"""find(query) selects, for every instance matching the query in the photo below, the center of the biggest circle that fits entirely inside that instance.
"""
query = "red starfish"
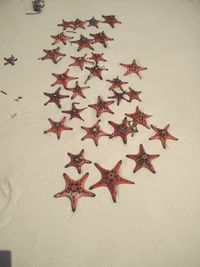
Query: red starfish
(57, 127)
(55, 97)
(94, 133)
(53, 54)
(79, 61)
(78, 24)
(74, 189)
(121, 130)
(97, 57)
(118, 96)
(100, 38)
(95, 71)
(133, 95)
(77, 160)
(111, 20)
(61, 37)
(143, 159)
(74, 112)
(93, 22)
(139, 117)
(65, 25)
(102, 106)
(116, 83)
(83, 42)
(77, 90)
(63, 78)
(162, 134)
(11, 60)
(133, 68)
(111, 179)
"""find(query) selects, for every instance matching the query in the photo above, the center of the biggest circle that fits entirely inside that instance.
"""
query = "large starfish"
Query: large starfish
(57, 127)
(133, 95)
(143, 159)
(65, 24)
(102, 106)
(10, 60)
(63, 78)
(83, 42)
(93, 22)
(133, 68)
(162, 134)
(111, 179)
(122, 130)
(111, 20)
(79, 61)
(139, 117)
(61, 37)
(95, 71)
(75, 112)
(101, 38)
(74, 189)
(77, 90)
(97, 57)
(78, 24)
(118, 96)
(116, 83)
(53, 54)
(55, 97)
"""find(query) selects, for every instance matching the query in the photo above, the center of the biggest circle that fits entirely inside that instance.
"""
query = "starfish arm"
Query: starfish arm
(99, 168)
(137, 167)
(84, 178)
(117, 166)
(74, 202)
(154, 137)
(172, 137)
(61, 194)
(155, 128)
(154, 156)
(132, 156)
(125, 181)
(113, 192)
(149, 166)
(87, 193)
(100, 183)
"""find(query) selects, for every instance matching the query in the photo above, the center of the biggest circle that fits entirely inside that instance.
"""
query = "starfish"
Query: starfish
(143, 159)
(97, 57)
(11, 60)
(63, 78)
(74, 112)
(162, 134)
(118, 96)
(77, 90)
(74, 189)
(133, 95)
(139, 117)
(93, 22)
(77, 160)
(111, 179)
(102, 106)
(122, 130)
(55, 97)
(83, 42)
(94, 133)
(58, 127)
(78, 24)
(111, 20)
(133, 68)
(53, 54)
(100, 38)
(95, 71)
(116, 83)
(65, 24)
(61, 37)
(79, 61)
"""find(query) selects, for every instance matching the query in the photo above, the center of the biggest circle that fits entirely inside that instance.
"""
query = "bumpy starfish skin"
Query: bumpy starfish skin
(94, 133)
(78, 24)
(111, 20)
(116, 83)
(143, 159)
(83, 42)
(61, 37)
(162, 134)
(100, 38)
(10, 60)
(139, 117)
(97, 57)
(133, 68)
(111, 179)
(53, 54)
(93, 22)
(102, 106)
(57, 127)
(77, 160)
(118, 96)
(55, 97)
(63, 78)
(133, 95)
(95, 71)
(79, 61)
(121, 130)
(74, 190)
(77, 90)
(65, 25)
(74, 112)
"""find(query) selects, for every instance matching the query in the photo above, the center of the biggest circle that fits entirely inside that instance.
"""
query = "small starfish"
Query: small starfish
(143, 159)
(162, 134)
(93, 22)
(58, 127)
(77, 90)
(102, 106)
(97, 57)
(116, 83)
(65, 25)
(79, 61)
(10, 60)
(139, 117)
(100, 38)
(122, 130)
(63, 78)
(74, 189)
(111, 179)
(133, 68)
(111, 20)
(53, 54)
(83, 42)
(55, 97)
(118, 96)
(95, 71)
(75, 112)
(61, 37)
(78, 24)
(77, 160)
(94, 132)
(133, 95)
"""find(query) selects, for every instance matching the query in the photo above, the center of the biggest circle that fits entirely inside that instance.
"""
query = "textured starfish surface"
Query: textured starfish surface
(65, 24)
(78, 24)
(79, 61)
(97, 57)
(118, 96)
(101, 38)
(111, 20)
(162, 134)
(93, 22)
(139, 117)
(83, 42)
(61, 38)
(55, 97)
(122, 130)
(63, 78)
(95, 71)
(53, 54)
(58, 127)
(94, 133)
(77, 90)
(133, 68)
(77, 160)
(116, 83)
(143, 159)
(133, 95)
(111, 179)
(10, 60)
(74, 112)
(102, 106)
(74, 189)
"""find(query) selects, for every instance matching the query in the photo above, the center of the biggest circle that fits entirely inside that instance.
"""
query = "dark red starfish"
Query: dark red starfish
(10, 60)
(95, 71)
(111, 20)
(61, 37)
(116, 83)
(122, 130)
(133, 68)
(83, 42)
(97, 57)
(74, 189)
(78, 24)
(133, 95)
(139, 117)
(77, 160)
(63, 78)
(118, 96)
(93, 22)
(55, 97)
(102, 106)
(58, 127)
(111, 179)
(101, 38)
(94, 133)
(162, 134)
(79, 61)
(65, 24)
(77, 90)
(53, 54)
(143, 159)
(74, 112)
